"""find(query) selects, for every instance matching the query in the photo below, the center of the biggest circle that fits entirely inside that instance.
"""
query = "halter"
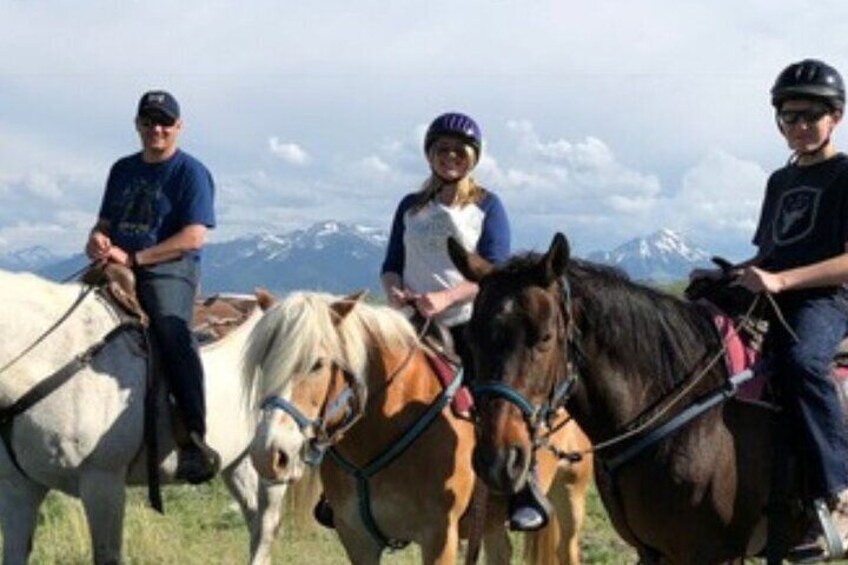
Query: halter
(351, 400)
(536, 417)
(320, 441)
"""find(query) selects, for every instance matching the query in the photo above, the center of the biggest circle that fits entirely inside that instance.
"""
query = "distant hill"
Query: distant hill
(27, 259)
(662, 257)
(328, 256)
(341, 258)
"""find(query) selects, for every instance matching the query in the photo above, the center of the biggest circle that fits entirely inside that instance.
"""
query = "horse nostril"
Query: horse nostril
(281, 461)
(517, 464)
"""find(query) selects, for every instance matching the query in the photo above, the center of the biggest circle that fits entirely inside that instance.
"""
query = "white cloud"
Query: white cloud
(619, 121)
(373, 166)
(290, 153)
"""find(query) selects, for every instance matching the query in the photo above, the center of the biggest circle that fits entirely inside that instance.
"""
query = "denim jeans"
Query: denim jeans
(820, 321)
(167, 292)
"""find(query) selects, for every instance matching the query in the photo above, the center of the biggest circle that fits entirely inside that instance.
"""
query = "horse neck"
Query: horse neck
(621, 379)
(37, 341)
(401, 384)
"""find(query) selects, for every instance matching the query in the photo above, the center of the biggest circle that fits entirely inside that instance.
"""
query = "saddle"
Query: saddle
(213, 319)
(444, 361)
(743, 331)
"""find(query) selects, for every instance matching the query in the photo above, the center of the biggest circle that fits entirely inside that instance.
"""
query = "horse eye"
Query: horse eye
(546, 337)
(317, 366)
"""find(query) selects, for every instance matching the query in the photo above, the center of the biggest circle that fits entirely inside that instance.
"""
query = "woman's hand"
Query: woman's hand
(400, 297)
(430, 304)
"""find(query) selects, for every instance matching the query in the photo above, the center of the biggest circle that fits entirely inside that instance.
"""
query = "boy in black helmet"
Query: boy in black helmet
(802, 260)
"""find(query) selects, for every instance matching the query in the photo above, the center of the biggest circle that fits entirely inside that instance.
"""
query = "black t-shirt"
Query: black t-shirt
(804, 218)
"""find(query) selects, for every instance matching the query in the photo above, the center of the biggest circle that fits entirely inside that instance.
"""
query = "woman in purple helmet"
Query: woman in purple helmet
(417, 270)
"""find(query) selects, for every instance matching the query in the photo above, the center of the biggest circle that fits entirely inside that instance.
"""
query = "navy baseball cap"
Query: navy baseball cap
(159, 102)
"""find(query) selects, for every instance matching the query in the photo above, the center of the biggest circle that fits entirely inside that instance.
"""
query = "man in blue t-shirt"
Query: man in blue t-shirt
(155, 213)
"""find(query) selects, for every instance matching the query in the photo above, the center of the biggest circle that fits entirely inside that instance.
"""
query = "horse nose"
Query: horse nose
(281, 462)
(504, 470)
(517, 464)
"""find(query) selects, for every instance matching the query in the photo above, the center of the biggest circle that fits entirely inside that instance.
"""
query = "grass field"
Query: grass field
(203, 526)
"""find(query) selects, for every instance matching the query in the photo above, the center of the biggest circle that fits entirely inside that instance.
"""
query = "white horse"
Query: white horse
(86, 437)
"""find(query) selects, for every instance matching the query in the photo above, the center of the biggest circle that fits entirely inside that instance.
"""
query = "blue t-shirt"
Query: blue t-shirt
(146, 203)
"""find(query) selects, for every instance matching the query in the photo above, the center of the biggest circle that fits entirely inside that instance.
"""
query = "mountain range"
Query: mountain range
(662, 257)
(341, 258)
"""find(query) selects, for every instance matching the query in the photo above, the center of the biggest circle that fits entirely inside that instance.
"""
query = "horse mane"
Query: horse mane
(654, 332)
(294, 333)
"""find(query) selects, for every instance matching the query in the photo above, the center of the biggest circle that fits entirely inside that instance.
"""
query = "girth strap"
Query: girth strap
(60, 377)
(49, 385)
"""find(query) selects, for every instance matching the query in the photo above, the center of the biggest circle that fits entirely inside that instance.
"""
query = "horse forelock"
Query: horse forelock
(294, 333)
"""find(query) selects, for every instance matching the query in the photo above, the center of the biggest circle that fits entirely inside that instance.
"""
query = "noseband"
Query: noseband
(350, 402)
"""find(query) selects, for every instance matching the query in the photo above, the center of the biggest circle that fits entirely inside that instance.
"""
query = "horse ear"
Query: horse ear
(556, 259)
(264, 298)
(341, 308)
(472, 266)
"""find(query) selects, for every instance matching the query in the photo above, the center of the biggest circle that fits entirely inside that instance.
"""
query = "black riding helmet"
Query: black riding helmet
(809, 78)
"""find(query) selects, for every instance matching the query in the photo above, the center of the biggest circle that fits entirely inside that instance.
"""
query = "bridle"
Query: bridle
(540, 419)
(346, 409)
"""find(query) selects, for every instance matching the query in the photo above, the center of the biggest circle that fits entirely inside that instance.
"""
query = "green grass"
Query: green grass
(203, 526)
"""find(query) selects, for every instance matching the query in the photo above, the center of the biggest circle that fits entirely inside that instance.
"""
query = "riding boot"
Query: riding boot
(323, 513)
(197, 462)
(529, 509)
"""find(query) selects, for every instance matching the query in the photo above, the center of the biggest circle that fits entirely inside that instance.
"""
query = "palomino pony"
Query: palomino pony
(351, 379)
(85, 437)
(684, 472)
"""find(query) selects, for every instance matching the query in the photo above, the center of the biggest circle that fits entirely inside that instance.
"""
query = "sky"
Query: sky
(604, 120)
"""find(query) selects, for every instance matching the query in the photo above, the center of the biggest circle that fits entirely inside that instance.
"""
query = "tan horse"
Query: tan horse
(350, 379)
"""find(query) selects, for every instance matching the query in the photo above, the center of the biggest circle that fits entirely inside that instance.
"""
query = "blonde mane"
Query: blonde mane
(294, 333)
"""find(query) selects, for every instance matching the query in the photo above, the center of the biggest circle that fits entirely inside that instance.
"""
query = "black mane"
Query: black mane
(642, 330)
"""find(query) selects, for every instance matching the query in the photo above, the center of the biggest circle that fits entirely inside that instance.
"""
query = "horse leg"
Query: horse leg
(569, 499)
(358, 544)
(497, 547)
(103, 496)
(261, 506)
(20, 500)
(441, 548)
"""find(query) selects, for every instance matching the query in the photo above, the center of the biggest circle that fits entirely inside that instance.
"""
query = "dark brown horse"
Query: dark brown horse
(628, 362)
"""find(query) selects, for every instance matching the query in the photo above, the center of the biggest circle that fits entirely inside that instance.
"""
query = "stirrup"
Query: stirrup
(833, 548)
(524, 504)
(323, 513)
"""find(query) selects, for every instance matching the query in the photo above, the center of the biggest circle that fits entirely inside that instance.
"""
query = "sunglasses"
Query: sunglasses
(444, 148)
(149, 122)
(810, 116)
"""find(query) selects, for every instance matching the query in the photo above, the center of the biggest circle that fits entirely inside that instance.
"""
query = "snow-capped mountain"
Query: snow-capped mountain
(329, 256)
(28, 259)
(663, 256)
(341, 258)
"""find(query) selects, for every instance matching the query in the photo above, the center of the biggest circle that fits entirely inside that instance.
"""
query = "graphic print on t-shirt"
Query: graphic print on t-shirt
(796, 214)
(139, 215)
